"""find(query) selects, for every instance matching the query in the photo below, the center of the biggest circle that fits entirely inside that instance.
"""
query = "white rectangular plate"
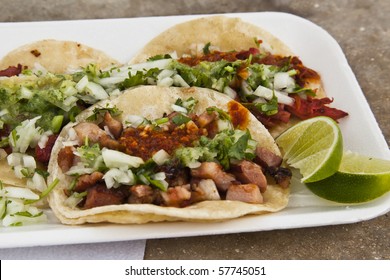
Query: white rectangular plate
(123, 38)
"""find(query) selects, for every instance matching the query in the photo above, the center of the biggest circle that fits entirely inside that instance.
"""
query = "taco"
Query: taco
(243, 61)
(40, 91)
(165, 154)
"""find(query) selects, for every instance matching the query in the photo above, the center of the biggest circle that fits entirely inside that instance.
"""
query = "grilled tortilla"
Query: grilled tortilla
(152, 102)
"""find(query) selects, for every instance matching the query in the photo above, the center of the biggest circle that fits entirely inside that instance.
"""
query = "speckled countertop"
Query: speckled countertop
(361, 27)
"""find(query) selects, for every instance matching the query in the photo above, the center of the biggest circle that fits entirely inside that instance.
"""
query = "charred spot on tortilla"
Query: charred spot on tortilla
(169, 170)
(35, 52)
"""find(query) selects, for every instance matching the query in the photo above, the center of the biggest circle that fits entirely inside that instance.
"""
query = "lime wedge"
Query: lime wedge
(359, 179)
(314, 146)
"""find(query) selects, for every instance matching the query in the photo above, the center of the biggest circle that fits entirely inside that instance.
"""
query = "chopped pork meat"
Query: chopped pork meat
(206, 118)
(140, 194)
(114, 126)
(65, 158)
(248, 193)
(212, 170)
(87, 180)
(248, 172)
(99, 195)
(266, 158)
(96, 135)
(178, 196)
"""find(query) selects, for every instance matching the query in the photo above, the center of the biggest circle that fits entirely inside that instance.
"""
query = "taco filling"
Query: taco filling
(273, 87)
(176, 160)
(35, 106)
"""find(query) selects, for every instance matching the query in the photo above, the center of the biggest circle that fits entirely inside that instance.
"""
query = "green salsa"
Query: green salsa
(22, 99)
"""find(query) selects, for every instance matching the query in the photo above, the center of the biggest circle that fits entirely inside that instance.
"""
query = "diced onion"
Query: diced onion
(25, 93)
(44, 138)
(159, 176)
(116, 177)
(179, 81)
(164, 74)
(265, 92)
(230, 92)
(96, 90)
(73, 200)
(22, 193)
(37, 182)
(14, 159)
(28, 135)
(282, 80)
(161, 157)
(224, 124)
(165, 82)
(268, 94)
(284, 98)
(178, 108)
(111, 80)
(246, 89)
(39, 69)
(29, 161)
(79, 169)
(18, 219)
(3, 112)
(82, 83)
(116, 159)
(133, 121)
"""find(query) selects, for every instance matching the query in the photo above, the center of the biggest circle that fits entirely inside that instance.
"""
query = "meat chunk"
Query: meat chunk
(11, 71)
(282, 177)
(266, 158)
(204, 190)
(248, 193)
(213, 171)
(206, 118)
(175, 174)
(95, 135)
(113, 125)
(140, 194)
(178, 196)
(99, 195)
(65, 158)
(43, 154)
(90, 130)
(248, 172)
(87, 180)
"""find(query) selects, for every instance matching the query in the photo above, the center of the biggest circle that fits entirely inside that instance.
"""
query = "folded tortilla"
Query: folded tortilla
(227, 34)
(151, 102)
(56, 56)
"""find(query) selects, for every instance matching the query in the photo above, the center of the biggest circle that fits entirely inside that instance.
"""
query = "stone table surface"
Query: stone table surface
(361, 27)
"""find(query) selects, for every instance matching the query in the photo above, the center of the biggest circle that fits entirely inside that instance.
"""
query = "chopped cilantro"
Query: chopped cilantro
(100, 111)
(206, 48)
(180, 119)
(159, 56)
